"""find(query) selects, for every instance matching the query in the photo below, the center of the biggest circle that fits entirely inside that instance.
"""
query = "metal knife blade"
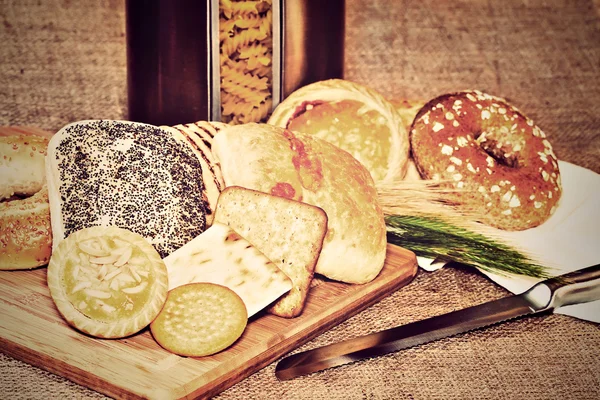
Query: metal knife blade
(573, 288)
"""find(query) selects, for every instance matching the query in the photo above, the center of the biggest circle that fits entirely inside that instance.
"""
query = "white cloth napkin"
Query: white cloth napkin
(567, 241)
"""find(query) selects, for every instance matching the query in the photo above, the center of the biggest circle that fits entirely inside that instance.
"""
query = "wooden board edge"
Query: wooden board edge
(61, 369)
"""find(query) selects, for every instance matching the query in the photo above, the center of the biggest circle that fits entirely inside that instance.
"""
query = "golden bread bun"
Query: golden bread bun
(305, 168)
(22, 165)
(352, 117)
(25, 234)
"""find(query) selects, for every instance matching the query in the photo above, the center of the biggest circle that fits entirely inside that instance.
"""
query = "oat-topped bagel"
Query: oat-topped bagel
(484, 145)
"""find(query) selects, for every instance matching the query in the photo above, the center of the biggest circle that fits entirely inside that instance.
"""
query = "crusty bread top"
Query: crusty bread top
(305, 168)
(288, 232)
(341, 90)
(22, 165)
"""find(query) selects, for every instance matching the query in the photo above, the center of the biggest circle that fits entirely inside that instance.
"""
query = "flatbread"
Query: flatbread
(305, 168)
(220, 255)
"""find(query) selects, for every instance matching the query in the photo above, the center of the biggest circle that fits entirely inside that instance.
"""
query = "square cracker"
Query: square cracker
(290, 233)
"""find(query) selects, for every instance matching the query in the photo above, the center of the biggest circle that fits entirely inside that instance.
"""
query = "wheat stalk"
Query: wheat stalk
(421, 217)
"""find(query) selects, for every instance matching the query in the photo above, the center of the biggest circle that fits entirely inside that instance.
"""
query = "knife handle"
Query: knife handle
(576, 287)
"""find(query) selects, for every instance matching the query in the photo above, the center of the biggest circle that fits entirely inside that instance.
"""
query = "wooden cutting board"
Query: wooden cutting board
(32, 330)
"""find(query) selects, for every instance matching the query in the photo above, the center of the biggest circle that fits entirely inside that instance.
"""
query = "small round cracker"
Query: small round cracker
(200, 319)
(107, 282)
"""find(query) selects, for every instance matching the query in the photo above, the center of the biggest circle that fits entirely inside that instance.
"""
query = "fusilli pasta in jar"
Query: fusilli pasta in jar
(246, 60)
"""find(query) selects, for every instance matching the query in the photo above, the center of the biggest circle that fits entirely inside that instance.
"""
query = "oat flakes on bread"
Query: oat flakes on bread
(500, 161)
(305, 168)
(288, 232)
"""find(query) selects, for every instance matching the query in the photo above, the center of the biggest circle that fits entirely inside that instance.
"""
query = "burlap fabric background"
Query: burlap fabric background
(62, 61)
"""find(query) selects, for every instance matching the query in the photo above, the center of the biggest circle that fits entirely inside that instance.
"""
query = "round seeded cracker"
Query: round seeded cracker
(200, 319)
(107, 281)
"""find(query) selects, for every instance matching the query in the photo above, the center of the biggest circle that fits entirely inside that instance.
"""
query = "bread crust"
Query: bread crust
(22, 163)
(501, 162)
(335, 90)
(25, 233)
(305, 168)
(199, 136)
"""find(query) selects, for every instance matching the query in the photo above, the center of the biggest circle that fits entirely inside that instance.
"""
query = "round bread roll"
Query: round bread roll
(352, 117)
(22, 165)
(500, 160)
(305, 168)
(25, 233)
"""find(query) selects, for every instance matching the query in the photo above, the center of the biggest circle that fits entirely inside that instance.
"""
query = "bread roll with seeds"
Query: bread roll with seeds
(501, 162)
(136, 176)
(25, 234)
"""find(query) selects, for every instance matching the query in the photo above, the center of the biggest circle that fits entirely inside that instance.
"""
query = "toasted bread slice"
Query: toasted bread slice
(290, 233)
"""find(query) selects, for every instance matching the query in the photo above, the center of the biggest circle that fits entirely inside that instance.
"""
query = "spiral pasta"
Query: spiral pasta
(246, 57)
